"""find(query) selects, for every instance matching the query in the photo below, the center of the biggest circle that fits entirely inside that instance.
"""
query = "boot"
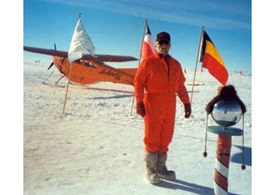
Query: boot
(151, 170)
(162, 169)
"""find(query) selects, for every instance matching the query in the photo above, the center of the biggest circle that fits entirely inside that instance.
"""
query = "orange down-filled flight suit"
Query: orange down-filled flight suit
(161, 85)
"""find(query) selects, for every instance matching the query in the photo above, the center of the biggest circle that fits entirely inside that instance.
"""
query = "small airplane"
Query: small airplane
(89, 67)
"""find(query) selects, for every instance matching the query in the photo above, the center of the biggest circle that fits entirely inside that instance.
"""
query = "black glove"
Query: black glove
(187, 109)
(140, 109)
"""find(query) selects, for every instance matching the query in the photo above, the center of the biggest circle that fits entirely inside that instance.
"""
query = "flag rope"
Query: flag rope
(205, 138)
(243, 165)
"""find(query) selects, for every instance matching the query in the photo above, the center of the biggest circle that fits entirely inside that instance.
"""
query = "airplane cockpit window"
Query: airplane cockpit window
(89, 64)
(86, 63)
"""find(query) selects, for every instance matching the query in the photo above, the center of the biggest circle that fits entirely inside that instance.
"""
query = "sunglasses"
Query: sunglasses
(163, 42)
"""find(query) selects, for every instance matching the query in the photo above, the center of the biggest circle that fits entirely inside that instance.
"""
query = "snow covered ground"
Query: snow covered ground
(96, 147)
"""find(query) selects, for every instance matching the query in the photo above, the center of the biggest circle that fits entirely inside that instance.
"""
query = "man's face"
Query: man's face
(163, 48)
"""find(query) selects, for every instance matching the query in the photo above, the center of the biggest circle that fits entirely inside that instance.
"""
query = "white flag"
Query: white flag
(81, 43)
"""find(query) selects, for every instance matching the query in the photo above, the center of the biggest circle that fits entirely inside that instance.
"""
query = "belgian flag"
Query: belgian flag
(212, 60)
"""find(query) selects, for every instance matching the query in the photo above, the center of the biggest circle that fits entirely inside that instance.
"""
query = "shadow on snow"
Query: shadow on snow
(186, 186)
(238, 157)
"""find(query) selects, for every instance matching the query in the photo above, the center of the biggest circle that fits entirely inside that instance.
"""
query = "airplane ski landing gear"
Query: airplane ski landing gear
(59, 79)
(47, 78)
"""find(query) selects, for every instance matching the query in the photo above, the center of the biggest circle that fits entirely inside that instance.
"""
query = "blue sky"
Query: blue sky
(118, 30)
(116, 27)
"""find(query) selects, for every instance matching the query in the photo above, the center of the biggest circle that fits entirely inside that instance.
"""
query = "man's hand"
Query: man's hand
(187, 109)
(140, 109)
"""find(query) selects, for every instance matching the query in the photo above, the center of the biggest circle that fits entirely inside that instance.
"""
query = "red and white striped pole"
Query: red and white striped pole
(222, 156)
(222, 165)
(226, 112)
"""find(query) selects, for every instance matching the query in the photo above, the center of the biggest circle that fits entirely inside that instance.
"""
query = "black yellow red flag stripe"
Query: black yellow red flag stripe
(212, 60)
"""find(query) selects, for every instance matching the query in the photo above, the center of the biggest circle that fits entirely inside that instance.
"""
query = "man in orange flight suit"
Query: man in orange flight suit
(161, 76)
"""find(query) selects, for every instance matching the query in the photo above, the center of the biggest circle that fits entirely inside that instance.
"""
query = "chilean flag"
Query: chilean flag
(147, 45)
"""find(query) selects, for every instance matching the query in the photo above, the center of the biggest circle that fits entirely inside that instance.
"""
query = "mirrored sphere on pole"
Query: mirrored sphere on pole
(226, 113)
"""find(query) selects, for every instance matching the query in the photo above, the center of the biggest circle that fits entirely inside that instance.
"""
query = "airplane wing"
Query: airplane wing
(96, 57)
(50, 52)
(114, 58)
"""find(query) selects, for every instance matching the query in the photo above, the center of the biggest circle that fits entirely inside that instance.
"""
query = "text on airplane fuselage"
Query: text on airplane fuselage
(116, 75)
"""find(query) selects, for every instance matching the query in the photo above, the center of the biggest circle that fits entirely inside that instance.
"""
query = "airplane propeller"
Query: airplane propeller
(52, 62)
(51, 65)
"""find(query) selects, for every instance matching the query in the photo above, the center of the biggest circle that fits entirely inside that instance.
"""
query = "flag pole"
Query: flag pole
(67, 89)
(199, 49)
(240, 77)
(145, 24)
